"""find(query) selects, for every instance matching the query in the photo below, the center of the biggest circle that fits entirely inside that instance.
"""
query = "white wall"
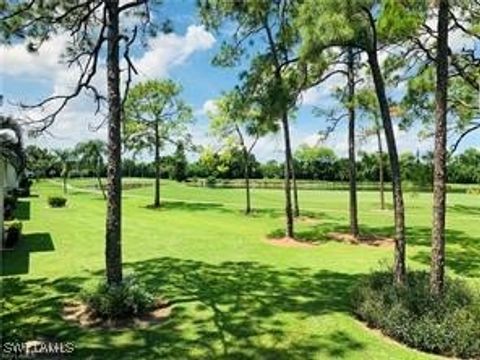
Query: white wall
(11, 179)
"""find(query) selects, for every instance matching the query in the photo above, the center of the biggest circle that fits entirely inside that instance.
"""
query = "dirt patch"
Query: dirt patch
(364, 239)
(288, 242)
(77, 312)
(304, 219)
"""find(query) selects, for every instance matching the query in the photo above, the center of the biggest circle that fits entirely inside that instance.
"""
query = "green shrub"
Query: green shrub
(447, 325)
(10, 203)
(13, 233)
(57, 201)
(211, 181)
(118, 301)
(24, 185)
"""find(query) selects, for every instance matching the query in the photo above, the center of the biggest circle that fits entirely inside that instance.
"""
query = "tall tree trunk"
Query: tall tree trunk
(113, 247)
(65, 189)
(437, 272)
(156, 201)
(246, 169)
(352, 168)
(100, 185)
(296, 205)
(399, 208)
(287, 177)
(380, 169)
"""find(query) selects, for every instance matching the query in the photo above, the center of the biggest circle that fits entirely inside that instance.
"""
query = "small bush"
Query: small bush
(24, 185)
(10, 203)
(13, 233)
(118, 301)
(57, 201)
(211, 181)
(446, 325)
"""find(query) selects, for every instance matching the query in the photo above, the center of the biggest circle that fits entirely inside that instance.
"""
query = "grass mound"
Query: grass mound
(447, 325)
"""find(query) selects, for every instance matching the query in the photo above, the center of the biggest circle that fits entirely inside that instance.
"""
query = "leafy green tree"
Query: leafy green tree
(237, 123)
(91, 156)
(465, 167)
(367, 26)
(316, 162)
(66, 158)
(367, 103)
(274, 79)
(443, 81)
(99, 31)
(39, 160)
(437, 272)
(271, 170)
(155, 115)
(180, 163)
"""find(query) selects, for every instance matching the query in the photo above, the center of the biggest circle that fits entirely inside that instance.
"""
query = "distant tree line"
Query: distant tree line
(310, 163)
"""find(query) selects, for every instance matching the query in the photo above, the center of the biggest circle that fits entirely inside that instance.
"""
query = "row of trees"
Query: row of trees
(389, 42)
(292, 46)
(87, 159)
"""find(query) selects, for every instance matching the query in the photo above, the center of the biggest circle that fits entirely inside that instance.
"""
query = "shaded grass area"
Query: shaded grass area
(17, 261)
(235, 296)
(231, 310)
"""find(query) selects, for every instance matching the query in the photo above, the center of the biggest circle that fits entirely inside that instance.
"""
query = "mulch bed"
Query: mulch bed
(364, 239)
(289, 242)
(77, 312)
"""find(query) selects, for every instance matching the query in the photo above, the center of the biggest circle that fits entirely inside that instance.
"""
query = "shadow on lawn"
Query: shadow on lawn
(462, 254)
(22, 212)
(185, 205)
(464, 209)
(234, 310)
(17, 260)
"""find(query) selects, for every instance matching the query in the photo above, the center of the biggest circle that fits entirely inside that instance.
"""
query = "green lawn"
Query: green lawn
(236, 296)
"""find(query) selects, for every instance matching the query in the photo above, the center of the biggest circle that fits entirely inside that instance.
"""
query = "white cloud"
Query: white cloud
(162, 54)
(169, 50)
(209, 106)
(320, 94)
(16, 60)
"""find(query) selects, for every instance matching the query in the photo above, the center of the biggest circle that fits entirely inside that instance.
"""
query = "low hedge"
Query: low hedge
(447, 325)
(57, 201)
(10, 203)
(13, 233)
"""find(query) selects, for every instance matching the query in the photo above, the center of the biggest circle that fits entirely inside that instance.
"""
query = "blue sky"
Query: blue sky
(184, 56)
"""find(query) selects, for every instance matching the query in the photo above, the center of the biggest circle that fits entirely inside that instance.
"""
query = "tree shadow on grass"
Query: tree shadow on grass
(17, 260)
(22, 212)
(233, 310)
(464, 209)
(462, 252)
(185, 205)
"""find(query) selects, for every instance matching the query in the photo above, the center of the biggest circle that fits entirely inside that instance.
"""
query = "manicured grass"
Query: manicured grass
(236, 296)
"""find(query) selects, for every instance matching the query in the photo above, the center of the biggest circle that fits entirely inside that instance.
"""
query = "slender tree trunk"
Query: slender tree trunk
(380, 169)
(437, 272)
(296, 205)
(399, 208)
(352, 168)
(246, 159)
(287, 177)
(65, 189)
(289, 232)
(156, 201)
(113, 249)
(100, 185)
